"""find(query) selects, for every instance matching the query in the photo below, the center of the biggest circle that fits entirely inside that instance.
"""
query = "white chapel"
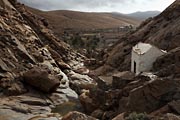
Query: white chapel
(143, 56)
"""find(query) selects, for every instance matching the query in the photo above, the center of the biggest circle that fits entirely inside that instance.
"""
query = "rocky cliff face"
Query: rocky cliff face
(162, 31)
(35, 66)
(25, 42)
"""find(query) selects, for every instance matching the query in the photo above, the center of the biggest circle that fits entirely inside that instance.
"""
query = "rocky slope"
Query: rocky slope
(162, 31)
(36, 68)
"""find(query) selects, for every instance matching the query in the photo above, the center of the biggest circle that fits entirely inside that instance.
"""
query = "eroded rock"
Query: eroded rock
(41, 79)
(121, 79)
(88, 104)
(153, 95)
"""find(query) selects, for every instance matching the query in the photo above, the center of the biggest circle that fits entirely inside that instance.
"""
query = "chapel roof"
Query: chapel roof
(142, 48)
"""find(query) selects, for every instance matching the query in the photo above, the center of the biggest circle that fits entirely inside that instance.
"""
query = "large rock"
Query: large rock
(168, 64)
(88, 103)
(119, 117)
(153, 95)
(97, 114)
(104, 82)
(3, 66)
(163, 110)
(79, 82)
(15, 89)
(41, 79)
(120, 80)
(168, 116)
(175, 106)
(7, 114)
(77, 116)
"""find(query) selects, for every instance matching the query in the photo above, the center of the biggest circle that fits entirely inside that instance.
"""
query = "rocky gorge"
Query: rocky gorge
(43, 78)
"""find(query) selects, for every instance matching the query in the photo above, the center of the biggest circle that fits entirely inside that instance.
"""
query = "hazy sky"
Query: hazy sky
(123, 6)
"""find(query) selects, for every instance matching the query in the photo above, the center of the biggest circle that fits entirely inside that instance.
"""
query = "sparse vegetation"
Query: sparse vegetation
(137, 116)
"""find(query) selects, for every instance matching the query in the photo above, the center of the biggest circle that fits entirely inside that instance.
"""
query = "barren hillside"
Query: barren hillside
(62, 19)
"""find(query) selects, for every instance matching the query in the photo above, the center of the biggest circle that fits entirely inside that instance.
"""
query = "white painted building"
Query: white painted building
(143, 56)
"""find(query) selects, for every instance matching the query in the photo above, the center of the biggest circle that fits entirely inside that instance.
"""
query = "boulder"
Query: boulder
(153, 95)
(138, 81)
(41, 79)
(15, 89)
(82, 70)
(169, 116)
(8, 114)
(175, 106)
(163, 110)
(63, 65)
(79, 82)
(104, 82)
(77, 116)
(87, 103)
(120, 80)
(123, 102)
(108, 115)
(79, 86)
(119, 117)
(97, 113)
(168, 64)
(3, 66)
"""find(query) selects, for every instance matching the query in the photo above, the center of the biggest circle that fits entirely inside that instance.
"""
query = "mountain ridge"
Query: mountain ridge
(142, 15)
(89, 19)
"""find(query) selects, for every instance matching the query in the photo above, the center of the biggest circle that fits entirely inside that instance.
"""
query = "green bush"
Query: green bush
(137, 116)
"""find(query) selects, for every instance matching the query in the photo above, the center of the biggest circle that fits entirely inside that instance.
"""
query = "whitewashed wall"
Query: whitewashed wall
(145, 61)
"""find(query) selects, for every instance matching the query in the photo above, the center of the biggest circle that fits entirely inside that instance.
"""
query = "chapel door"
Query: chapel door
(134, 67)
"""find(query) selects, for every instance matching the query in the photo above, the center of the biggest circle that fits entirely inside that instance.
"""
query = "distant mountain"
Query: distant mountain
(143, 15)
(62, 19)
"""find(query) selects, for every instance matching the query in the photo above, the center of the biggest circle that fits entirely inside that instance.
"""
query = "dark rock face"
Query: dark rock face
(120, 80)
(153, 95)
(41, 79)
(88, 103)
(168, 64)
(16, 88)
(141, 95)
(97, 114)
(175, 106)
